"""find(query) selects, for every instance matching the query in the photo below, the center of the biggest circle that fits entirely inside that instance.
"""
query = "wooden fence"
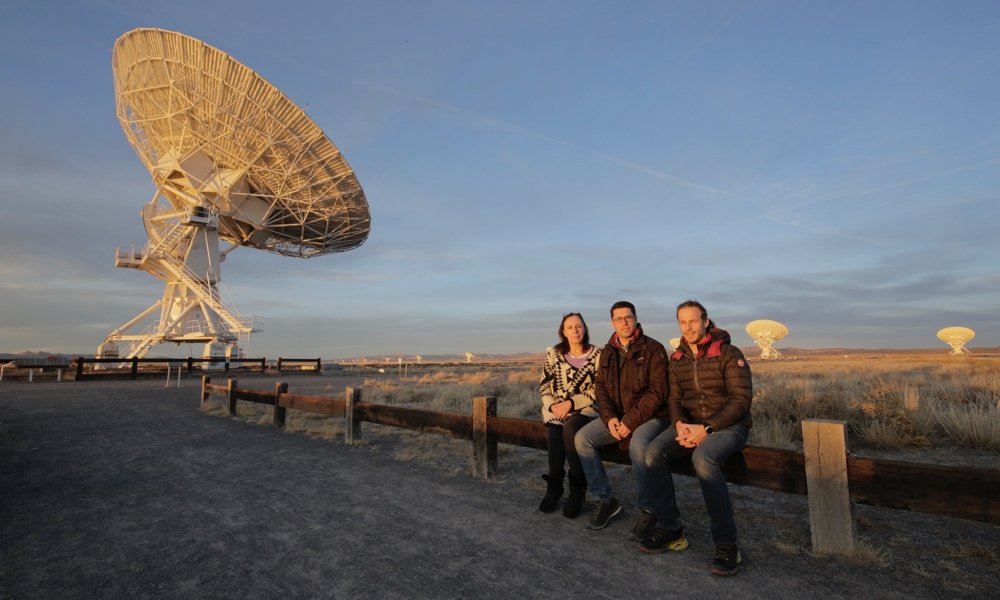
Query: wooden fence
(824, 471)
(188, 365)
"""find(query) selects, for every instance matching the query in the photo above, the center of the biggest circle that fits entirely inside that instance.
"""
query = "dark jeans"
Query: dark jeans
(562, 449)
(595, 435)
(707, 459)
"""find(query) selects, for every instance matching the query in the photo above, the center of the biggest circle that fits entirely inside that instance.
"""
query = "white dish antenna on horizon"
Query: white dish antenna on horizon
(957, 338)
(233, 160)
(468, 357)
(675, 342)
(765, 333)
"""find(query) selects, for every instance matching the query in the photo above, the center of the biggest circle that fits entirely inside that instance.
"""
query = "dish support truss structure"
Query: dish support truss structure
(958, 347)
(766, 343)
(182, 251)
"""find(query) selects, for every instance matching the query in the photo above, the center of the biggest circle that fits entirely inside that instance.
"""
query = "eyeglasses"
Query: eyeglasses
(620, 320)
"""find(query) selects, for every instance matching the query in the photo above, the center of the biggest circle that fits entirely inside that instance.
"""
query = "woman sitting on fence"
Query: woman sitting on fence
(567, 389)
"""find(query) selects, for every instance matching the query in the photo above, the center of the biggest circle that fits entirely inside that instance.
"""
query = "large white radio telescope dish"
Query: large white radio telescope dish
(233, 160)
(765, 333)
(957, 338)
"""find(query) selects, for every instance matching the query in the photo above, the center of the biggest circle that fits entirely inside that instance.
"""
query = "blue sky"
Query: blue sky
(831, 165)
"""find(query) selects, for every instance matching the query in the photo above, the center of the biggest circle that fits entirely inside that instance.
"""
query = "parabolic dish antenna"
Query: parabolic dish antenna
(957, 337)
(233, 160)
(765, 333)
(675, 342)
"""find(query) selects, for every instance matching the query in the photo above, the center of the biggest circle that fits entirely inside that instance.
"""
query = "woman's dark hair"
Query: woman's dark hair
(563, 345)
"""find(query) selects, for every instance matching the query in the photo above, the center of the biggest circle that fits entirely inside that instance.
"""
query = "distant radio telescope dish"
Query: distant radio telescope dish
(765, 333)
(675, 342)
(233, 160)
(957, 338)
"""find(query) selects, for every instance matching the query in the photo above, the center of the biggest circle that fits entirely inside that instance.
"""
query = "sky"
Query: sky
(834, 166)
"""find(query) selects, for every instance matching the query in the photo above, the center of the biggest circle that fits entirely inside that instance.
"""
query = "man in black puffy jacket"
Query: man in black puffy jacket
(709, 408)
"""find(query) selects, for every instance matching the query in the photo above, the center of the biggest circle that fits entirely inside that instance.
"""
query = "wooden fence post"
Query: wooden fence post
(319, 365)
(279, 366)
(205, 380)
(484, 443)
(135, 367)
(352, 426)
(79, 368)
(278, 417)
(231, 397)
(831, 514)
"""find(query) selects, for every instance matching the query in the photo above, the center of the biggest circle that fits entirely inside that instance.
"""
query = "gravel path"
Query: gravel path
(127, 490)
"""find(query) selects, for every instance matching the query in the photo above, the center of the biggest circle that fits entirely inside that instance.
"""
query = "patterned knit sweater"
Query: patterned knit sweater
(562, 381)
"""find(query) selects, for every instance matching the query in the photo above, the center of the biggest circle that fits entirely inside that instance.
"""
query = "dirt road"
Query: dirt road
(127, 490)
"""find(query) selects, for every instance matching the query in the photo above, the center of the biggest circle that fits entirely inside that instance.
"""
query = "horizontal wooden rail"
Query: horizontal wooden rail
(961, 492)
(257, 396)
(315, 366)
(320, 405)
(446, 424)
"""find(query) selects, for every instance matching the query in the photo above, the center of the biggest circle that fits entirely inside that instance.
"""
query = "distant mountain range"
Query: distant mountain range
(39, 355)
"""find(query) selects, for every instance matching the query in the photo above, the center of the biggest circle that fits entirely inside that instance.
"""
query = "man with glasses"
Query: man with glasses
(631, 390)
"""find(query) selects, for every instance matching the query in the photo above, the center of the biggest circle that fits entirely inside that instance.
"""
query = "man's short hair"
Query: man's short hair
(623, 304)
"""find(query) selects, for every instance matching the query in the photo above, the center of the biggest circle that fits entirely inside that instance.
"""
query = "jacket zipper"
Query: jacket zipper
(701, 395)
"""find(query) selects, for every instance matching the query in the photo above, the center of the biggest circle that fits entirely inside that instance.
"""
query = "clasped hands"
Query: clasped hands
(689, 435)
(618, 429)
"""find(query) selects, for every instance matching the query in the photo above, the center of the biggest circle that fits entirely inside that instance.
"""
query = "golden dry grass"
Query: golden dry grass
(891, 403)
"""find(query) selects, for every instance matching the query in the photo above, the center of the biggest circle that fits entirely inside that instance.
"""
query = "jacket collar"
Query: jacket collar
(709, 346)
(614, 341)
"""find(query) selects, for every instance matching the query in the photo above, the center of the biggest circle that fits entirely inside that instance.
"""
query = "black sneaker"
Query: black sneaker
(727, 560)
(644, 526)
(662, 540)
(604, 511)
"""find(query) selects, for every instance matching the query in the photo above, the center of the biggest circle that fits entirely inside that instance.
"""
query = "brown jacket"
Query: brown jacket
(631, 382)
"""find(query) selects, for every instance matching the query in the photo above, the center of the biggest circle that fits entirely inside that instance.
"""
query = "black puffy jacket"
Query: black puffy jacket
(715, 388)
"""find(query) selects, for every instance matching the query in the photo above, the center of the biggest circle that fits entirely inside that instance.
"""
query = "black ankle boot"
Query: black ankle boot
(577, 495)
(553, 493)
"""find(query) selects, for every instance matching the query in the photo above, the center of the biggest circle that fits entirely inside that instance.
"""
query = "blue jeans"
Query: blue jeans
(707, 459)
(594, 435)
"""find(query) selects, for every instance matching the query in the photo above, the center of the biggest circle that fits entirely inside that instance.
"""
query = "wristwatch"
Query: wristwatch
(708, 429)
